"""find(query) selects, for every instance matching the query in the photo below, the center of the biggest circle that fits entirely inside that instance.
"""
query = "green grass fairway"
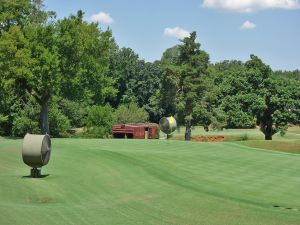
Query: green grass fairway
(158, 182)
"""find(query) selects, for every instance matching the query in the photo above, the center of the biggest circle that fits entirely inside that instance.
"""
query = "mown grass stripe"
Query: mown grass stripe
(150, 182)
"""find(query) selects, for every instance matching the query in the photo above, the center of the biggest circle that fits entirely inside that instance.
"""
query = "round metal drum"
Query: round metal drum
(36, 150)
(167, 124)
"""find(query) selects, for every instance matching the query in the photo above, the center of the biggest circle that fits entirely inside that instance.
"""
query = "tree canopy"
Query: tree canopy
(58, 74)
(185, 82)
(251, 95)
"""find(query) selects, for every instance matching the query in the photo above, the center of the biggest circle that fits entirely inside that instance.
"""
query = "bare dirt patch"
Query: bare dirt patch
(218, 138)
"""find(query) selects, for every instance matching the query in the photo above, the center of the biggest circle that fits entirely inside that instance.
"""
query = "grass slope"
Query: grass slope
(283, 146)
(254, 138)
(156, 182)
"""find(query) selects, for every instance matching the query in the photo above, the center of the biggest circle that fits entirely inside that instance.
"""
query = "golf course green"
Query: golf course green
(159, 182)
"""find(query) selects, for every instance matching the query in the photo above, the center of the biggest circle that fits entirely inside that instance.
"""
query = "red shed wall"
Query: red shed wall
(151, 132)
(136, 130)
(139, 133)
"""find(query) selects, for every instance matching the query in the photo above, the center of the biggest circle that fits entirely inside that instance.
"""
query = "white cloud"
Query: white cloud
(247, 6)
(248, 26)
(177, 32)
(102, 17)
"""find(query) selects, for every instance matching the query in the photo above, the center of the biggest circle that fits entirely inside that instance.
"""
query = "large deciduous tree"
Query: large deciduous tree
(28, 51)
(250, 93)
(41, 58)
(29, 60)
(84, 52)
(277, 102)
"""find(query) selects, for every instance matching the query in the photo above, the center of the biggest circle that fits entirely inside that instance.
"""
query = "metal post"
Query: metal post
(35, 173)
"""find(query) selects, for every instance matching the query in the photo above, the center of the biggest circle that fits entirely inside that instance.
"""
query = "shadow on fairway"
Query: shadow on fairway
(39, 177)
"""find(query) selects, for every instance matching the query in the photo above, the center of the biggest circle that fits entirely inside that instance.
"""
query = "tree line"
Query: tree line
(58, 74)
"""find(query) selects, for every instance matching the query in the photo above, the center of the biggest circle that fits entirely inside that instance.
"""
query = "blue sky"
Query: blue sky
(226, 29)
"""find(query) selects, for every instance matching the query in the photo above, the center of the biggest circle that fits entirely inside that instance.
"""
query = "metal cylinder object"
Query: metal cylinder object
(167, 124)
(36, 150)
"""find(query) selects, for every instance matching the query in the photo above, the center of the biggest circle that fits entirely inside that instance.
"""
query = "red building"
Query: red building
(135, 131)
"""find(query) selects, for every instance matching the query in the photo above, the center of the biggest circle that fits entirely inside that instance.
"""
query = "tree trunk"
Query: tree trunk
(188, 132)
(268, 137)
(268, 131)
(268, 120)
(44, 118)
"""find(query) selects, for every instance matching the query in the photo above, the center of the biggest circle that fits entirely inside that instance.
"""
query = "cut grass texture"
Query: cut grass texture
(150, 182)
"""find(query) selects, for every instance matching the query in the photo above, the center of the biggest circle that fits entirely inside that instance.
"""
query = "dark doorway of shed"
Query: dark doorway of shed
(129, 136)
(119, 135)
